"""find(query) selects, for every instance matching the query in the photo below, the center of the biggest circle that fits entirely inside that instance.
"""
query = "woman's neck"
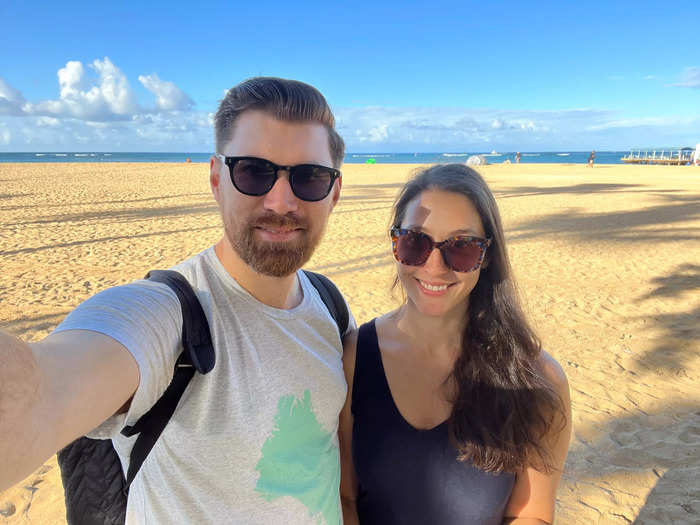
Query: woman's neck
(437, 336)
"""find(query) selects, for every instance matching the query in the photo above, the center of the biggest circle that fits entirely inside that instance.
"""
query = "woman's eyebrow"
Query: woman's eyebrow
(455, 233)
(467, 231)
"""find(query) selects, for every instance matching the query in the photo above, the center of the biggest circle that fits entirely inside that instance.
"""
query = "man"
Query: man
(254, 440)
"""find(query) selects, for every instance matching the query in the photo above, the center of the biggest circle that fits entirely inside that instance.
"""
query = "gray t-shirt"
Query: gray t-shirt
(253, 441)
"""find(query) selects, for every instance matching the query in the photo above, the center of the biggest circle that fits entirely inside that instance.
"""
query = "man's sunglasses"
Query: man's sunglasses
(461, 253)
(255, 176)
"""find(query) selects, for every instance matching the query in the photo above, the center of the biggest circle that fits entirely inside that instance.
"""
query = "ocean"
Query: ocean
(547, 157)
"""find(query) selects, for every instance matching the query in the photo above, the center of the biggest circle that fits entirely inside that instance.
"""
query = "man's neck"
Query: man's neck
(278, 292)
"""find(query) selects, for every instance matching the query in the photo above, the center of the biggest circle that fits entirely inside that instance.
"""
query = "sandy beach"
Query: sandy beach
(607, 261)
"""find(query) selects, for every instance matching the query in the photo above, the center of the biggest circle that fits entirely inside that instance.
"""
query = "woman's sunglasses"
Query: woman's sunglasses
(460, 253)
(255, 176)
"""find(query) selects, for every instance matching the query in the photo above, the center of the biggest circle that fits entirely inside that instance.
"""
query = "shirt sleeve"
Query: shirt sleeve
(146, 318)
(352, 324)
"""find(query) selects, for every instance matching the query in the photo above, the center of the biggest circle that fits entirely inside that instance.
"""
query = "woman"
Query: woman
(454, 413)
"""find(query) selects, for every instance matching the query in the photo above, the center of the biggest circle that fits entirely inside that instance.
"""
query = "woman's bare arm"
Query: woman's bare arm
(533, 497)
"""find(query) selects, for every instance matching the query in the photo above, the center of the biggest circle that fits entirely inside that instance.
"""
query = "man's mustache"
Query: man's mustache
(289, 221)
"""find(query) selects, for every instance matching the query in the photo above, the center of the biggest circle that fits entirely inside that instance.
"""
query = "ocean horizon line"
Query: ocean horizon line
(493, 157)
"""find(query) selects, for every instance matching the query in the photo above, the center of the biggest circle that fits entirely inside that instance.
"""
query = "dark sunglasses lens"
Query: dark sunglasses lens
(462, 255)
(413, 248)
(311, 183)
(253, 176)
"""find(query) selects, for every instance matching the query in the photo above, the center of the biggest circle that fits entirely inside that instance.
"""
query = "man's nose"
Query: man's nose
(281, 198)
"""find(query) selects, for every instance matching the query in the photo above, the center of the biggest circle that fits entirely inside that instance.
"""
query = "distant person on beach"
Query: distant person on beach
(454, 412)
(517, 157)
(254, 440)
(591, 159)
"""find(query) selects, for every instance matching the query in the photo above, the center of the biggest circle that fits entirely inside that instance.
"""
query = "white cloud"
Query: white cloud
(110, 98)
(166, 132)
(96, 108)
(5, 135)
(169, 97)
(690, 78)
(11, 100)
(444, 129)
(459, 128)
(115, 88)
(640, 122)
(378, 133)
(48, 122)
(99, 93)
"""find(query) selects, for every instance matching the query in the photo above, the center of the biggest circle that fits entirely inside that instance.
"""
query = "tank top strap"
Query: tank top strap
(369, 381)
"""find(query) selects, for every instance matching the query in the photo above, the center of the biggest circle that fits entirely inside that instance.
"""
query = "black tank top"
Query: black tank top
(409, 476)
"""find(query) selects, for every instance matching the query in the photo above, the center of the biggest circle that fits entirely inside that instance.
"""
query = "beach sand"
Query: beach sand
(607, 261)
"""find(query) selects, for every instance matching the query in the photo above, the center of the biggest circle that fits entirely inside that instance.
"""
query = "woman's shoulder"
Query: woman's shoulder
(553, 371)
(382, 327)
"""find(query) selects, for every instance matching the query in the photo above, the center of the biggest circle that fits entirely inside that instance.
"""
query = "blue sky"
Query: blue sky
(400, 76)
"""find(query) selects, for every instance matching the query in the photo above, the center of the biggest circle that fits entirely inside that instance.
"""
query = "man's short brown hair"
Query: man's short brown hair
(288, 100)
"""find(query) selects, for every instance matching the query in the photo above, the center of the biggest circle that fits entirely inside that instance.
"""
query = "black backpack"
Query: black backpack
(94, 483)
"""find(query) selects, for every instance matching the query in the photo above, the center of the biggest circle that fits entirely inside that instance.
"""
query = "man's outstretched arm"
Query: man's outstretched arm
(54, 391)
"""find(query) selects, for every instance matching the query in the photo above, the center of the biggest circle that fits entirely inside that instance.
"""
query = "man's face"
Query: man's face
(276, 233)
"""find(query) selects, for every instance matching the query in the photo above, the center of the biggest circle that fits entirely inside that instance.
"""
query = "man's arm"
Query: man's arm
(56, 390)
(348, 477)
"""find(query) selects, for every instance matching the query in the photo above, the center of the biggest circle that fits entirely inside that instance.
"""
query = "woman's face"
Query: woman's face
(434, 289)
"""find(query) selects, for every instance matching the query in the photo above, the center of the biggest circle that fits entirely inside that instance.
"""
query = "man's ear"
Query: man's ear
(215, 176)
(336, 191)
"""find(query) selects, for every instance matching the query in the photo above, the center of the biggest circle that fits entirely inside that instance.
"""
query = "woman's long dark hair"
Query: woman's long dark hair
(503, 404)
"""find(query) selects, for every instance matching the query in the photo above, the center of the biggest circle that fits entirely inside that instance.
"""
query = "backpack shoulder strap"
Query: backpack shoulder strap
(332, 298)
(197, 355)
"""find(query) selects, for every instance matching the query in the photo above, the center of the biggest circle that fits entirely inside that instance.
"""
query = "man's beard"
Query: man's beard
(276, 259)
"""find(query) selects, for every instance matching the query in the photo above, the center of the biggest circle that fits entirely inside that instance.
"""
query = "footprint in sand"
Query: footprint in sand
(691, 436)
(8, 509)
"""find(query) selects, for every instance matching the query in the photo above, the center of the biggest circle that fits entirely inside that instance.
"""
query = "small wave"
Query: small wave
(492, 154)
(80, 154)
(39, 154)
(107, 154)
(455, 154)
(563, 154)
(370, 155)
(60, 154)
(531, 154)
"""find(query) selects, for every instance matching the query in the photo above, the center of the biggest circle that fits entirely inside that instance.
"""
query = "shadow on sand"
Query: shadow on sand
(122, 215)
(642, 225)
(679, 341)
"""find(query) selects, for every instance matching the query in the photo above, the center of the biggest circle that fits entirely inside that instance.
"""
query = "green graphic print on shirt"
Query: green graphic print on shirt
(300, 460)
